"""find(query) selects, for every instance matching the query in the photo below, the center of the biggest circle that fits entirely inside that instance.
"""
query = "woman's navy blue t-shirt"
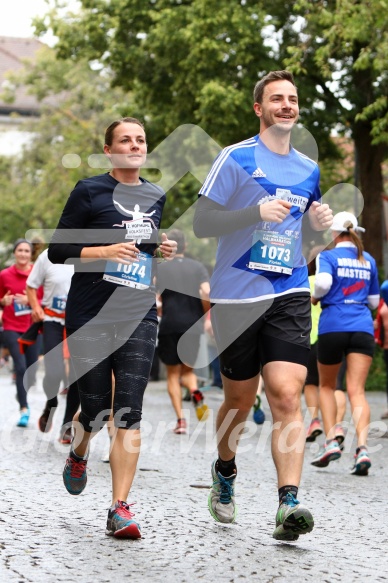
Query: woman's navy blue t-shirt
(102, 211)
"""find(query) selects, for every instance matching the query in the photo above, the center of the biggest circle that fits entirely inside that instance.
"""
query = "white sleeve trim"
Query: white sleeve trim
(373, 301)
(323, 283)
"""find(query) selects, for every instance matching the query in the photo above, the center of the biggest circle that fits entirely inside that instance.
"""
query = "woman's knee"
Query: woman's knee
(94, 423)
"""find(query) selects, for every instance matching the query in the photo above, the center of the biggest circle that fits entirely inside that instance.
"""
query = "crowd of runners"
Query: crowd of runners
(112, 285)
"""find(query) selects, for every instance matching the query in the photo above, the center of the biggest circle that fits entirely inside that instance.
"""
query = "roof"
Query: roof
(12, 53)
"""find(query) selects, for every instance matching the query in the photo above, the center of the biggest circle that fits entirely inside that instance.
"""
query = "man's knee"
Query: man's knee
(287, 402)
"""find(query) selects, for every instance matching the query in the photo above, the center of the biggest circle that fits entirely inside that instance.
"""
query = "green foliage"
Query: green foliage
(79, 104)
(377, 376)
(185, 61)
(173, 62)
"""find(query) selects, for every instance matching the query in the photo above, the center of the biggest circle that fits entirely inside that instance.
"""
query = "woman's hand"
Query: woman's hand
(37, 314)
(167, 247)
(121, 252)
(21, 299)
(7, 299)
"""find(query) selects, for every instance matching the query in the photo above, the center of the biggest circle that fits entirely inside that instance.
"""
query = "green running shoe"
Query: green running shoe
(74, 475)
(292, 519)
(221, 497)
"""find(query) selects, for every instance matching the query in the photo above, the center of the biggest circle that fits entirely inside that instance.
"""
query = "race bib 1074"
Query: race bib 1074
(136, 275)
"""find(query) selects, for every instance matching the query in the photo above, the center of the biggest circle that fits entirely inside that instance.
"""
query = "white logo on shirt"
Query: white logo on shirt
(140, 227)
(258, 173)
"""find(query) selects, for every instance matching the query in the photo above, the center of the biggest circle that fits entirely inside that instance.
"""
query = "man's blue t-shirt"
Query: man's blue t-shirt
(265, 260)
(345, 306)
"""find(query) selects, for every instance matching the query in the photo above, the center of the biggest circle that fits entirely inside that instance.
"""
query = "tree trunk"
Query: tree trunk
(371, 185)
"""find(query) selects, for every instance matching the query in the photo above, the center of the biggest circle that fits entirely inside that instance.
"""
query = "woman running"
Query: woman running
(109, 230)
(17, 320)
(347, 285)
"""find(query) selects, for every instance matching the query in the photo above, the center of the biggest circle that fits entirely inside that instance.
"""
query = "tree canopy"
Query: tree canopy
(174, 62)
(196, 61)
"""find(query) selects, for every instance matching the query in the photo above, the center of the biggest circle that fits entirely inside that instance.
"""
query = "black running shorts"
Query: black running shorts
(333, 345)
(187, 352)
(250, 335)
(312, 366)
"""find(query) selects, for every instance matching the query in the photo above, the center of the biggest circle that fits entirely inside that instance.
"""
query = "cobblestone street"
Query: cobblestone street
(49, 536)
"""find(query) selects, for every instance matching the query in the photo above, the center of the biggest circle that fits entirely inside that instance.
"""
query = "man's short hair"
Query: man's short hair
(269, 78)
(178, 236)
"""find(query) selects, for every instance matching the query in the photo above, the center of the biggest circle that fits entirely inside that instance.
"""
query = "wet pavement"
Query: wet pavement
(49, 536)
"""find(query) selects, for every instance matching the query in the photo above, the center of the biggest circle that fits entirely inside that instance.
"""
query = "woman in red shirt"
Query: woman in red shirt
(17, 319)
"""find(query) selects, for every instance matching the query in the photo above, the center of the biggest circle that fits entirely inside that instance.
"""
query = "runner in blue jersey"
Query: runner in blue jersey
(254, 199)
(109, 231)
(347, 286)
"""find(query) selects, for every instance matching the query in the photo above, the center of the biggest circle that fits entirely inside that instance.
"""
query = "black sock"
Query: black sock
(51, 403)
(226, 469)
(76, 457)
(283, 491)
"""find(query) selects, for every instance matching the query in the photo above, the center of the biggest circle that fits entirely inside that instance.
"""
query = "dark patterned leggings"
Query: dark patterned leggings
(127, 350)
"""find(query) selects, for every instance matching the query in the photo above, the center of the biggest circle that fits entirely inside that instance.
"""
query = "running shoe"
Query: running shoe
(180, 427)
(120, 523)
(314, 430)
(201, 410)
(105, 458)
(221, 497)
(258, 413)
(362, 462)
(292, 519)
(65, 436)
(24, 418)
(340, 435)
(74, 475)
(327, 454)
(45, 421)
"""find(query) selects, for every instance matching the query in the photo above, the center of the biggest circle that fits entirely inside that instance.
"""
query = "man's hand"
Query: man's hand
(275, 211)
(321, 216)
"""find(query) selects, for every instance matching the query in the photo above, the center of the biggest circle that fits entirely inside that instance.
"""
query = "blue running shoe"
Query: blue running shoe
(292, 519)
(120, 523)
(330, 452)
(258, 413)
(221, 497)
(24, 418)
(74, 475)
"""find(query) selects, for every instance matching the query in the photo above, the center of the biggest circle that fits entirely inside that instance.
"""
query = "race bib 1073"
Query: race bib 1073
(272, 251)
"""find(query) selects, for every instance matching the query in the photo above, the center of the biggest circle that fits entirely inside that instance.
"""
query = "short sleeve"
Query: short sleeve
(324, 264)
(37, 275)
(222, 180)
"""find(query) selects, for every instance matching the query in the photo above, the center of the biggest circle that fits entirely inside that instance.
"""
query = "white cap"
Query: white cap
(343, 220)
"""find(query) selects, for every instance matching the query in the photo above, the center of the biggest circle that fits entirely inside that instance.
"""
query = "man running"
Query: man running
(254, 199)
